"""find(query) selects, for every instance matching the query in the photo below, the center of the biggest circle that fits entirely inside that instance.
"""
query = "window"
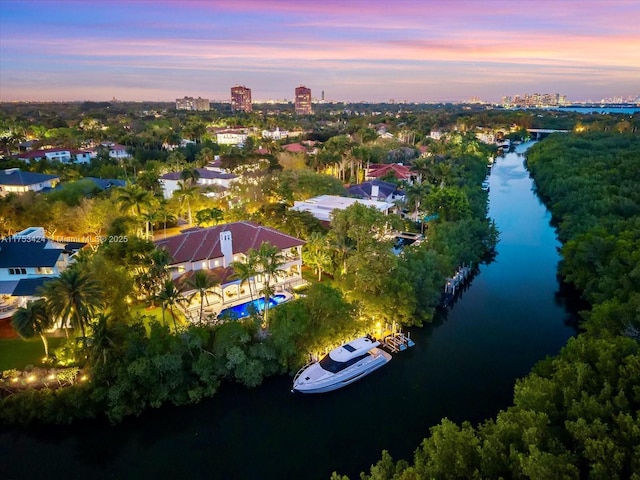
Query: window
(17, 271)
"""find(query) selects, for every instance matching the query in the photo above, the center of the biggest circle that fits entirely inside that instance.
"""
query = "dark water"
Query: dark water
(463, 367)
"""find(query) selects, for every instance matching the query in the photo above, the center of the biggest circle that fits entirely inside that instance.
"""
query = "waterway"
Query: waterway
(463, 367)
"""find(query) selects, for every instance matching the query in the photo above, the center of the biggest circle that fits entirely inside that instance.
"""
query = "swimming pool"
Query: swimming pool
(245, 309)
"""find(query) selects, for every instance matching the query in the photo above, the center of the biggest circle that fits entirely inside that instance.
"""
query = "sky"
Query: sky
(353, 50)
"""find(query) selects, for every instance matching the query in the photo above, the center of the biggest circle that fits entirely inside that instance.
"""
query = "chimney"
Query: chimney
(375, 191)
(226, 246)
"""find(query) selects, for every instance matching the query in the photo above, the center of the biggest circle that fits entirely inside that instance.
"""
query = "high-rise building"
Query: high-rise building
(241, 99)
(303, 101)
(190, 103)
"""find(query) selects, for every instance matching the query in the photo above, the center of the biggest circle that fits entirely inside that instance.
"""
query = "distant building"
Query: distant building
(218, 179)
(322, 206)
(232, 136)
(116, 151)
(14, 180)
(535, 100)
(241, 99)
(194, 104)
(303, 101)
(63, 155)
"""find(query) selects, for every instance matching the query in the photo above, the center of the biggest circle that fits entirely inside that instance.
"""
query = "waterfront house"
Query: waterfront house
(377, 190)
(323, 206)
(14, 180)
(213, 250)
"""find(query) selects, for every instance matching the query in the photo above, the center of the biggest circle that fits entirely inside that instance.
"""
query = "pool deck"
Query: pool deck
(215, 305)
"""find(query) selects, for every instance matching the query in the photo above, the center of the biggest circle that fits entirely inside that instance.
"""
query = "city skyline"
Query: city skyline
(67, 50)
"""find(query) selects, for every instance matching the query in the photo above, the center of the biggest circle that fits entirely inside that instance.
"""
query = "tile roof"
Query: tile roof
(27, 253)
(222, 274)
(364, 189)
(29, 286)
(13, 176)
(204, 243)
(380, 170)
(295, 148)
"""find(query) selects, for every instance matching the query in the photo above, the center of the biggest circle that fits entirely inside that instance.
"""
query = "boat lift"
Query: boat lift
(397, 341)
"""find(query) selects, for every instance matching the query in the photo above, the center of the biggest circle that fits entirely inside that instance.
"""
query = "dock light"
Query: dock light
(14, 379)
(31, 378)
(51, 377)
(84, 378)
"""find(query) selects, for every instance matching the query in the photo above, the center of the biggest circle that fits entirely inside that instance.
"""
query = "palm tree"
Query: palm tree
(190, 176)
(31, 320)
(186, 193)
(134, 198)
(157, 272)
(269, 261)
(102, 341)
(150, 218)
(315, 253)
(415, 196)
(246, 271)
(166, 217)
(203, 283)
(169, 296)
(73, 297)
(205, 156)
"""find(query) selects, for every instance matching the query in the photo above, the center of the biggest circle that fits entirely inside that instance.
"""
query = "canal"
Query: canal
(463, 367)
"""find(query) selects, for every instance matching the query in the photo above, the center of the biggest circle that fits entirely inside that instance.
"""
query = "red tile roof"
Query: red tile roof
(401, 172)
(295, 148)
(222, 274)
(198, 244)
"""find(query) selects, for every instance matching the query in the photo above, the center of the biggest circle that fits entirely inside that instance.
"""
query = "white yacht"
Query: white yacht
(341, 366)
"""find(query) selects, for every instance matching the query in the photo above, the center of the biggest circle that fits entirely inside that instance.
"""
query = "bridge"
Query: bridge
(543, 132)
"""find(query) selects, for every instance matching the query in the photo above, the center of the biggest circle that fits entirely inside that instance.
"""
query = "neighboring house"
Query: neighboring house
(209, 177)
(14, 180)
(309, 148)
(213, 249)
(232, 136)
(63, 155)
(117, 152)
(27, 260)
(376, 171)
(323, 206)
(275, 134)
(377, 190)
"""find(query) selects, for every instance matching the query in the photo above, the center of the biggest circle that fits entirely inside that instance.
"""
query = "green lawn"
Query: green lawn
(18, 353)
(156, 314)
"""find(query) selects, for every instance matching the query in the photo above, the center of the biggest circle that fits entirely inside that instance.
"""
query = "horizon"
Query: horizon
(355, 52)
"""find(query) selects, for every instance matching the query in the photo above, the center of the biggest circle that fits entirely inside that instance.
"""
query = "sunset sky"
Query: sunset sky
(354, 50)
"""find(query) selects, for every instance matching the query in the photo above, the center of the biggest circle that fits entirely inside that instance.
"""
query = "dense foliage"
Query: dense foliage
(575, 415)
